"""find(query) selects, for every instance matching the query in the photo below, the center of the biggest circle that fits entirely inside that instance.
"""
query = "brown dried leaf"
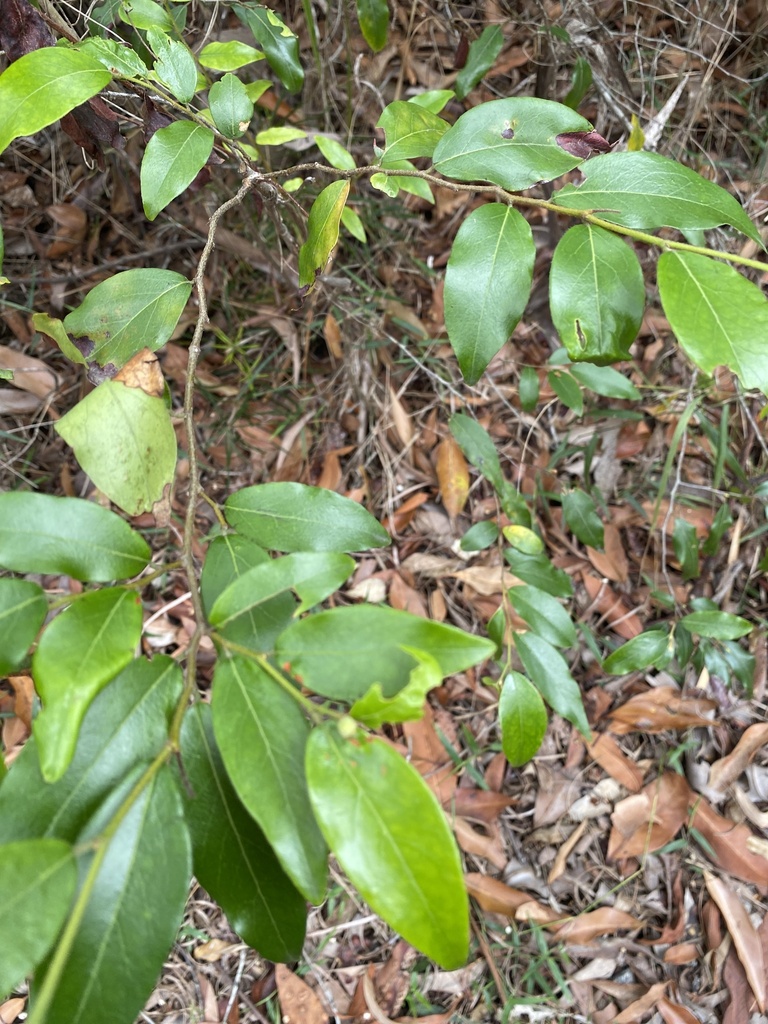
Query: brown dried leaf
(298, 1003)
(11, 1009)
(606, 751)
(332, 335)
(648, 820)
(661, 708)
(472, 841)
(429, 757)
(564, 851)
(480, 804)
(24, 698)
(674, 1013)
(612, 562)
(603, 921)
(683, 953)
(486, 579)
(402, 515)
(71, 228)
(453, 476)
(622, 619)
(143, 371)
(212, 951)
(700, 518)
(729, 842)
(746, 940)
(404, 598)
(635, 1012)
(537, 913)
(29, 374)
(729, 768)
(22, 29)
(493, 895)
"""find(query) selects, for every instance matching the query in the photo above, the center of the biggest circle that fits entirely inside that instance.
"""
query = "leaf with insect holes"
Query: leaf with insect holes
(510, 142)
(596, 294)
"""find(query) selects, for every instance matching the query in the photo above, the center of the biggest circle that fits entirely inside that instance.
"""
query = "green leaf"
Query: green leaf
(342, 652)
(581, 80)
(228, 56)
(124, 440)
(549, 673)
(172, 160)
(296, 517)
(647, 191)
(480, 536)
(390, 836)
(142, 880)
(280, 135)
(22, 612)
(174, 65)
(374, 709)
(125, 726)
(277, 41)
(40, 533)
(596, 294)
(313, 576)
(373, 18)
(528, 389)
(262, 736)
(487, 284)
(37, 883)
(231, 108)
(717, 625)
(322, 232)
(523, 539)
(719, 317)
(686, 545)
(353, 224)
(511, 142)
(581, 517)
(604, 380)
(522, 717)
(646, 650)
(54, 328)
(233, 860)
(115, 56)
(544, 614)
(79, 652)
(410, 131)
(228, 559)
(567, 390)
(538, 571)
(132, 310)
(433, 100)
(480, 59)
(146, 14)
(335, 153)
(44, 85)
(391, 184)
(478, 447)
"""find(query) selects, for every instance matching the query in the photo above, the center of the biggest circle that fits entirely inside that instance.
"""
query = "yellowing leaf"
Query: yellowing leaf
(453, 476)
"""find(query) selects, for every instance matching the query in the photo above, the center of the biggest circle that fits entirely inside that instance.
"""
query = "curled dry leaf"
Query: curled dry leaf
(612, 562)
(648, 820)
(603, 921)
(493, 895)
(472, 841)
(621, 619)
(606, 751)
(729, 768)
(452, 475)
(746, 940)
(661, 708)
(29, 374)
(143, 371)
(729, 842)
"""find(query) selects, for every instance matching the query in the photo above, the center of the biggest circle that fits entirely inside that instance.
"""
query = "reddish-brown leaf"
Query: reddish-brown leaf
(22, 29)
(480, 804)
(729, 843)
(674, 1013)
(603, 921)
(606, 751)
(661, 708)
(648, 820)
(742, 931)
(298, 1002)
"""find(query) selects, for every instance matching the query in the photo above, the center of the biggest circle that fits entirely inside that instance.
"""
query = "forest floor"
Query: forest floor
(573, 918)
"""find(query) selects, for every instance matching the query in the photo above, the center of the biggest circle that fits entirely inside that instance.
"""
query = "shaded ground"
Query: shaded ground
(353, 391)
